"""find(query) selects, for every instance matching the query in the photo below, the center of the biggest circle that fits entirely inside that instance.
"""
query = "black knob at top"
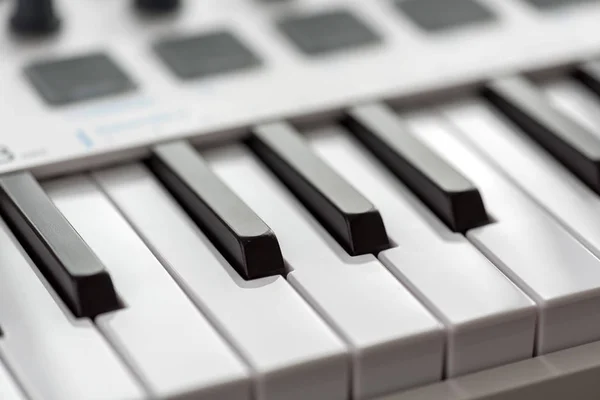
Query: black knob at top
(34, 17)
(157, 6)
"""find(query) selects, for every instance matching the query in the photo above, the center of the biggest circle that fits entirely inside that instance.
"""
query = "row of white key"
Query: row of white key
(193, 328)
(530, 247)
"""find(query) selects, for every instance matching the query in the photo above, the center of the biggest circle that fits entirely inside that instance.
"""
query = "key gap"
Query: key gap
(130, 366)
(12, 374)
(430, 307)
(332, 325)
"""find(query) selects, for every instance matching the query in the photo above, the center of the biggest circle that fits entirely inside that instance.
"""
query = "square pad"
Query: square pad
(318, 34)
(552, 4)
(79, 78)
(436, 15)
(200, 56)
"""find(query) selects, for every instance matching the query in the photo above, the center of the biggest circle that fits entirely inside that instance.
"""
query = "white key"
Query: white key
(490, 321)
(569, 200)
(8, 387)
(544, 260)
(163, 337)
(54, 355)
(395, 342)
(576, 101)
(288, 346)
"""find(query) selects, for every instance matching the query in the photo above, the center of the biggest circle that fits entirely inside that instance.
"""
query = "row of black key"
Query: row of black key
(246, 241)
(243, 238)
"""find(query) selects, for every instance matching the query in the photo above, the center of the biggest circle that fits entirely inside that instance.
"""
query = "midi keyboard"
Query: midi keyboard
(300, 199)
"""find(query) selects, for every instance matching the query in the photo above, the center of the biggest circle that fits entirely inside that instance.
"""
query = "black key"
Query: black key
(348, 216)
(76, 79)
(444, 190)
(570, 143)
(327, 32)
(244, 239)
(589, 75)
(434, 16)
(556, 4)
(56, 248)
(34, 17)
(205, 55)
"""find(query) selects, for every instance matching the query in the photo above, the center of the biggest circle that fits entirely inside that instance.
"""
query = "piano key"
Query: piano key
(433, 263)
(452, 197)
(54, 355)
(260, 318)
(344, 211)
(66, 261)
(169, 344)
(395, 342)
(576, 101)
(531, 248)
(549, 183)
(571, 143)
(589, 74)
(247, 242)
(9, 390)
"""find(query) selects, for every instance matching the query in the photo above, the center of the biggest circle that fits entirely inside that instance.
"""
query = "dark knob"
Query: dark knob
(34, 17)
(157, 6)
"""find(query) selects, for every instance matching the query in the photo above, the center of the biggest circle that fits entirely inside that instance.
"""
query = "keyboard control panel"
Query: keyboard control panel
(114, 77)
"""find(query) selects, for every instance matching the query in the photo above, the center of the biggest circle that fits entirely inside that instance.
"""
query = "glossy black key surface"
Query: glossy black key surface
(79, 78)
(570, 143)
(345, 212)
(244, 239)
(205, 55)
(450, 195)
(327, 32)
(436, 15)
(58, 251)
(589, 75)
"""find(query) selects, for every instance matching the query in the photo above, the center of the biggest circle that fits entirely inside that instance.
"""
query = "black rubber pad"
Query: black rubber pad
(79, 78)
